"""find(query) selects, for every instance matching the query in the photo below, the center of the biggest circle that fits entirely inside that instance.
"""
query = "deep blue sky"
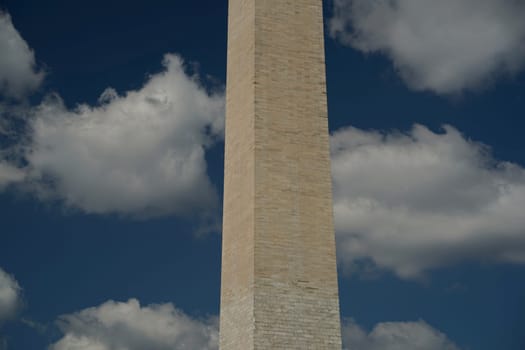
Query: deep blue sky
(66, 261)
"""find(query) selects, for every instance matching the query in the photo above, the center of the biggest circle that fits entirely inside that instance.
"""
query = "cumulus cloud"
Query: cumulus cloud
(9, 296)
(414, 201)
(18, 73)
(395, 336)
(140, 153)
(444, 46)
(130, 326)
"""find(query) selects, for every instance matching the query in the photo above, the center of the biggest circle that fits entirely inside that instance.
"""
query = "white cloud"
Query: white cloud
(445, 46)
(421, 200)
(142, 153)
(395, 336)
(18, 74)
(130, 326)
(9, 296)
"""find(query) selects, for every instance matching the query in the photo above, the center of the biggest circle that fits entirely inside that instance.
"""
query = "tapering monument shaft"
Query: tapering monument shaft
(279, 278)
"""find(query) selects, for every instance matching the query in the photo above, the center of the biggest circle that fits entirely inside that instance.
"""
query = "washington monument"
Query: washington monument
(279, 278)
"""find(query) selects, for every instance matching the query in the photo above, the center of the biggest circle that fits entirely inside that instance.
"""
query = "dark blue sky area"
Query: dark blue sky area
(66, 261)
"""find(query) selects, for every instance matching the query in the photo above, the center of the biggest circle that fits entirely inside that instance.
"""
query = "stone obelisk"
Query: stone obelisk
(279, 278)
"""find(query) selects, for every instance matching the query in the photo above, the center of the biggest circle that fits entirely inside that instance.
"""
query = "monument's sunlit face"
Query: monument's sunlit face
(279, 278)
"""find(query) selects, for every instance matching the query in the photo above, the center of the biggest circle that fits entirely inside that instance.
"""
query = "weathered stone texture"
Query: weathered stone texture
(279, 279)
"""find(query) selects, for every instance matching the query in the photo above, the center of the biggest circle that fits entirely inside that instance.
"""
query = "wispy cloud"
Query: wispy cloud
(10, 174)
(10, 300)
(18, 73)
